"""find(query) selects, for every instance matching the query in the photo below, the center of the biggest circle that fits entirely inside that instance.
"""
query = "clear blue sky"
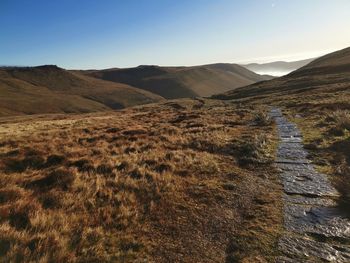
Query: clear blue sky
(115, 33)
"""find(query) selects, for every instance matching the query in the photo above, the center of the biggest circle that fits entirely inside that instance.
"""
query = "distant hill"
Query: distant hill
(50, 89)
(327, 74)
(277, 68)
(181, 82)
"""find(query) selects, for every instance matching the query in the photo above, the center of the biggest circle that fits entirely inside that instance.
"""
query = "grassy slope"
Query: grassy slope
(180, 82)
(49, 89)
(326, 74)
(317, 97)
(183, 181)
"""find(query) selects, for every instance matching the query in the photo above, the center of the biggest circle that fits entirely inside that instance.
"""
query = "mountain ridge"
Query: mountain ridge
(181, 82)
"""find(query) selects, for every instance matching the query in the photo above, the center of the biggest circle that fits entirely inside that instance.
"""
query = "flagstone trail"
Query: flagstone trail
(314, 228)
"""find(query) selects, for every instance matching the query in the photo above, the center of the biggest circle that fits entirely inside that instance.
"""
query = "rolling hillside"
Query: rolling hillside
(50, 89)
(328, 74)
(181, 82)
(277, 68)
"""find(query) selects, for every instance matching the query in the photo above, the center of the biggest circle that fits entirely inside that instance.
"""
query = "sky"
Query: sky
(95, 34)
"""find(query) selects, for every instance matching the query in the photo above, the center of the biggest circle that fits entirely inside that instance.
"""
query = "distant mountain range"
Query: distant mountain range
(182, 82)
(277, 68)
(50, 89)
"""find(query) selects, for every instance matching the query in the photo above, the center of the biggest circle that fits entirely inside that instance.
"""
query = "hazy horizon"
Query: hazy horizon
(96, 35)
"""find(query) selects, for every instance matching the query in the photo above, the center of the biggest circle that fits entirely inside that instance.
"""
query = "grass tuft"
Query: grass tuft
(253, 151)
(60, 178)
(262, 118)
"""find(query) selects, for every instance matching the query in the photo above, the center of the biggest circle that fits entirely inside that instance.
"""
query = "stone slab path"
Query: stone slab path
(314, 229)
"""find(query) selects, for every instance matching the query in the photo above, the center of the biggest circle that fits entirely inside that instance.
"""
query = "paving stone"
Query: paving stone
(315, 230)
(308, 183)
(308, 250)
(320, 220)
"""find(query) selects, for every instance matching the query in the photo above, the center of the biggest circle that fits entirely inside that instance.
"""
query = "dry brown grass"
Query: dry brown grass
(327, 131)
(158, 183)
(262, 118)
(340, 121)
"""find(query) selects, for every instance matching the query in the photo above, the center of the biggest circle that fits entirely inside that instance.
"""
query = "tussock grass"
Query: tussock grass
(331, 147)
(262, 118)
(157, 183)
(340, 120)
